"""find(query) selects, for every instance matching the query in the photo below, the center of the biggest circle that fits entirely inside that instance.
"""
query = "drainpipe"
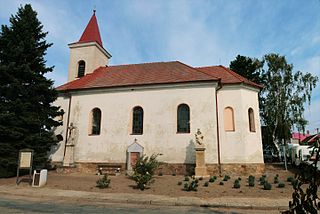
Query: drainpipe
(218, 136)
(68, 118)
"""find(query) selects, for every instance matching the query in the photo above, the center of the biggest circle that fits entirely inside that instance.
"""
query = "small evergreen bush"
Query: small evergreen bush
(290, 178)
(276, 180)
(206, 184)
(160, 174)
(191, 186)
(226, 178)
(236, 184)
(201, 178)
(174, 174)
(179, 183)
(186, 178)
(281, 185)
(251, 180)
(103, 182)
(221, 183)
(212, 179)
(267, 186)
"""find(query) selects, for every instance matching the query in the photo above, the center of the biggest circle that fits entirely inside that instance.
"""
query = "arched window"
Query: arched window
(183, 119)
(252, 127)
(95, 121)
(137, 120)
(228, 119)
(81, 68)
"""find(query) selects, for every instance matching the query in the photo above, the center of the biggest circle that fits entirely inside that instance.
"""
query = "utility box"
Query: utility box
(39, 178)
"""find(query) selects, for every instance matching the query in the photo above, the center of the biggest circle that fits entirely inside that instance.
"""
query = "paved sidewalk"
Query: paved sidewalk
(46, 194)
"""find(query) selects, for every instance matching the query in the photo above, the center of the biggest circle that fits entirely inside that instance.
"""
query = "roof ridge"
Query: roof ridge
(144, 63)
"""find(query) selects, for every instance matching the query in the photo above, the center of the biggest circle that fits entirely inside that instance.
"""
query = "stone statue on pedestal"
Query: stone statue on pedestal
(68, 159)
(201, 169)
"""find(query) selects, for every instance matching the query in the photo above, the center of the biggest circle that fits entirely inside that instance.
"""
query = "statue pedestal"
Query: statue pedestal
(68, 159)
(201, 169)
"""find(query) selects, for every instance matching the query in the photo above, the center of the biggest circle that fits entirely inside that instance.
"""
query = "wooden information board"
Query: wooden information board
(25, 162)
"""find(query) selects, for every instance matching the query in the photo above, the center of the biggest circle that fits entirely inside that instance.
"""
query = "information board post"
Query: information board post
(25, 162)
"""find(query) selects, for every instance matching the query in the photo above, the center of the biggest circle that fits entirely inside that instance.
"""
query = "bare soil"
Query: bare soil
(168, 185)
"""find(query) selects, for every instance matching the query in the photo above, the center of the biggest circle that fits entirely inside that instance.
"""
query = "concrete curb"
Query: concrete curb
(144, 199)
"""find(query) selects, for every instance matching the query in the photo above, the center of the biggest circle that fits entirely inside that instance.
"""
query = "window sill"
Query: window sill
(93, 134)
(136, 134)
(182, 132)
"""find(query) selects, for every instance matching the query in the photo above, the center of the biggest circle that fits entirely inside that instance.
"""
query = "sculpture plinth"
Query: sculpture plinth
(201, 169)
(68, 159)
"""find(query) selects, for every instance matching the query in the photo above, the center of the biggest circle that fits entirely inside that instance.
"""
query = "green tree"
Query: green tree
(283, 97)
(26, 96)
(247, 67)
(284, 94)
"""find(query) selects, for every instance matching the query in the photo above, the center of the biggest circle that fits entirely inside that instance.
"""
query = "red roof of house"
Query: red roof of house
(138, 74)
(227, 76)
(91, 33)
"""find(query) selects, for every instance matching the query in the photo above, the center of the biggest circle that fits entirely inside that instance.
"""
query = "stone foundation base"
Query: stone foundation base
(173, 168)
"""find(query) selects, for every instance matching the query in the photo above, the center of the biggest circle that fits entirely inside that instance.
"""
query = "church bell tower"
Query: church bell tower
(88, 53)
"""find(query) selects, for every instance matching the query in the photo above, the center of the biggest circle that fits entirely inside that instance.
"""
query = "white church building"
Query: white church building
(114, 114)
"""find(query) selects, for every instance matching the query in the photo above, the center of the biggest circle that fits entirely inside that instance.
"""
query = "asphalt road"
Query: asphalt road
(24, 206)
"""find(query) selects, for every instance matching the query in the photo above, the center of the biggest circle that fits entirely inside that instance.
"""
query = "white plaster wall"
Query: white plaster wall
(91, 54)
(57, 151)
(240, 146)
(160, 126)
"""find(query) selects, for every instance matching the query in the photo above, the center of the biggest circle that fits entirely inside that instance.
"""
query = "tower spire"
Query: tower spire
(91, 32)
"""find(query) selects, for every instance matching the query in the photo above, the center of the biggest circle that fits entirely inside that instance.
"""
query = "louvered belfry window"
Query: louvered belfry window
(183, 119)
(81, 68)
(137, 120)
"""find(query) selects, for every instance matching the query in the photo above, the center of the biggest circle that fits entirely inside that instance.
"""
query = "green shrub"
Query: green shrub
(294, 182)
(191, 186)
(281, 185)
(290, 178)
(239, 178)
(206, 184)
(226, 178)
(267, 186)
(196, 180)
(174, 174)
(276, 180)
(160, 174)
(103, 182)
(201, 178)
(212, 179)
(262, 180)
(236, 184)
(251, 180)
(186, 178)
(221, 183)
(144, 170)
(179, 183)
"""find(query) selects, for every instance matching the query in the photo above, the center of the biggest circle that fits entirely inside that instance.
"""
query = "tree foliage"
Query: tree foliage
(284, 95)
(247, 67)
(26, 96)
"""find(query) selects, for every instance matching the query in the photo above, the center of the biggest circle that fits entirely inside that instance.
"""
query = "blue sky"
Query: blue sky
(196, 32)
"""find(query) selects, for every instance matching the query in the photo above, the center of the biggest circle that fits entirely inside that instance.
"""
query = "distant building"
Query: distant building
(119, 112)
(298, 137)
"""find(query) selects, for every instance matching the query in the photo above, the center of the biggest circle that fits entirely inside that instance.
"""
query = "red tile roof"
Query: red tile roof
(227, 76)
(138, 74)
(91, 33)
